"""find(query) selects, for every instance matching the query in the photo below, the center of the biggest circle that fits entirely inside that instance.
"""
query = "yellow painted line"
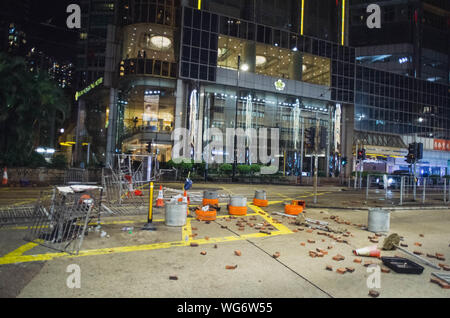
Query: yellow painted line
(21, 250)
(186, 231)
(93, 223)
(280, 227)
(17, 257)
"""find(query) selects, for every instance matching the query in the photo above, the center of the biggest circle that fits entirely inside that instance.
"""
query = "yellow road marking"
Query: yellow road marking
(92, 223)
(21, 250)
(186, 231)
(18, 257)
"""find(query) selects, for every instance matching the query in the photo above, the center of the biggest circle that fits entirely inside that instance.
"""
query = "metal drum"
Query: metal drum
(210, 195)
(260, 195)
(176, 214)
(238, 201)
(379, 220)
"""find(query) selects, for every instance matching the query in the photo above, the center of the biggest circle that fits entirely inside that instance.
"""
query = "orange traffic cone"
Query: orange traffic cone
(371, 251)
(160, 199)
(5, 177)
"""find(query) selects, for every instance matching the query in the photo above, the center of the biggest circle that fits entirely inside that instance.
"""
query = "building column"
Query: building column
(249, 56)
(180, 104)
(348, 125)
(112, 128)
(296, 66)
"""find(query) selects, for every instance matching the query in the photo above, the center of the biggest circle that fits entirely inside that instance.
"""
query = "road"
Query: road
(139, 263)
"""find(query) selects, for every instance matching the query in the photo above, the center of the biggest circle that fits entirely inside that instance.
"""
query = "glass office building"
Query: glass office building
(200, 69)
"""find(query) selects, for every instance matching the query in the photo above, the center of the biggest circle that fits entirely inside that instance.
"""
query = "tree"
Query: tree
(30, 103)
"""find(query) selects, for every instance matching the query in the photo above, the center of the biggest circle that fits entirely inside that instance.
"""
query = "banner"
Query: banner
(441, 144)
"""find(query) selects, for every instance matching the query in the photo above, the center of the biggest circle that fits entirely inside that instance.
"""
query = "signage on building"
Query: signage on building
(89, 88)
(441, 144)
(280, 85)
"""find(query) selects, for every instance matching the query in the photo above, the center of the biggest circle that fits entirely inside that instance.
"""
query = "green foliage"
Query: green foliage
(59, 162)
(30, 103)
(244, 169)
(226, 169)
(36, 161)
(255, 168)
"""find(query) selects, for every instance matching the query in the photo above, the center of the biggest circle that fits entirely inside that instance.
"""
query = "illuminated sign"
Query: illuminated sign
(89, 88)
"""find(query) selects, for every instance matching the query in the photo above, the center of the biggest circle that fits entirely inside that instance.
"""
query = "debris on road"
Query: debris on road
(374, 293)
(276, 255)
(203, 252)
(338, 257)
(357, 260)
(329, 268)
(173, 277)
(385, 270)
(194, 244)
(231, 267)
(238, 253)
(350, 269)
(341, 270)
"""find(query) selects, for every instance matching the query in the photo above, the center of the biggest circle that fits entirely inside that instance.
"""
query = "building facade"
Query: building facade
(227, 64)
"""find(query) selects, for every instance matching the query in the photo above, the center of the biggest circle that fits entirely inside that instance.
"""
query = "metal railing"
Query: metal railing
(404, 189)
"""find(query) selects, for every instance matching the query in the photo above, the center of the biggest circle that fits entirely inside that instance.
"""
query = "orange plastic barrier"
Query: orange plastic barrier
(260, 203)
(293, 209)
(210, 202)
(210, 215)
(237, 210)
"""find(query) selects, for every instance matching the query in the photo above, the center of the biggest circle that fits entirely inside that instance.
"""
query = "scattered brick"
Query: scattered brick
(421, 235)
(418, 244)
(311, 241)
(238, 253)
(231, 267)
(357, 260)
(440, 258)
(309, 231)
(385, 270)
(194, 244)
(203, 252)
(301, 229)
(207, 238)
(265, 232)
(329, 268)
(350, 269)
(417, 252)
(295, 231)
(403, 245)
(302, 244)
(374, 241)
(329, 247)
(276, 255)
(338, 257)
(367, 264)
(374, 293)
(440, 282)
(320, 254)
(241, 228)
(439, 255)
(312, 254)
(224, 227)
(431, 255)
(215, 245)
(341, 270)
(173, 277)
(194, 229)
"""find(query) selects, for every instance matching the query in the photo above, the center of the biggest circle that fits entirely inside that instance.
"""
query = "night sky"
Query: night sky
(58, 41)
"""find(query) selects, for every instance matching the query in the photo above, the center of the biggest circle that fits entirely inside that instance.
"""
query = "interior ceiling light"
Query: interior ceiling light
(260, 60)
(160, 42)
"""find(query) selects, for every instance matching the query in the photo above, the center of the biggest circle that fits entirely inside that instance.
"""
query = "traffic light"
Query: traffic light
(310, 136)
(419, 151)
(412, 153)
(344, 161)
(362, 154)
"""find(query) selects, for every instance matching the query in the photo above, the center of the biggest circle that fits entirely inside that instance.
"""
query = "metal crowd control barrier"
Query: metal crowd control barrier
(74, 175)
(401, 189)
(65, 220)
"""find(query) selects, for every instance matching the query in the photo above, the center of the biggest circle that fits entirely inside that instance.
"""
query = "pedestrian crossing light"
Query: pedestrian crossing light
(362, 154)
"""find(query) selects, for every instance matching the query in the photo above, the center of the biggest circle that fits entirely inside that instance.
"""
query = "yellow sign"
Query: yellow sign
(89, 88)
